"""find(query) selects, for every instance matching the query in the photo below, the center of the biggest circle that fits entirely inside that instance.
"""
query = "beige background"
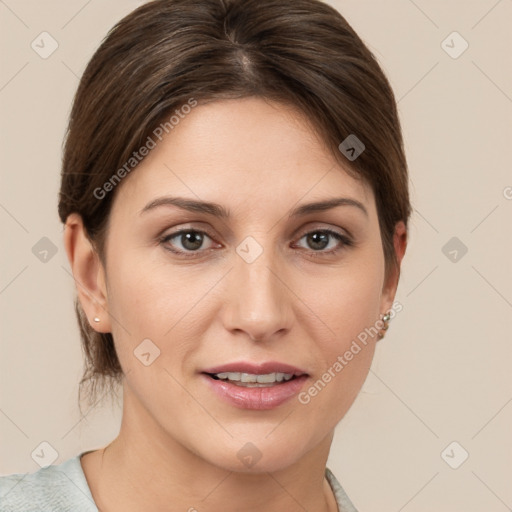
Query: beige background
(443, 372)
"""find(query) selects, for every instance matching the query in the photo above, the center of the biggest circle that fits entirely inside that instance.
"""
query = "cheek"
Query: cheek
(141, 288)
(346, 358)
(348, 308)
(139, 303)
(348, 299)
(152, 299)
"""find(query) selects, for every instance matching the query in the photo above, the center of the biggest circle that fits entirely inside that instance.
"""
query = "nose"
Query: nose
(258, 304)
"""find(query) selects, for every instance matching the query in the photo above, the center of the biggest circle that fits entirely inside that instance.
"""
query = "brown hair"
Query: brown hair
(302, 53)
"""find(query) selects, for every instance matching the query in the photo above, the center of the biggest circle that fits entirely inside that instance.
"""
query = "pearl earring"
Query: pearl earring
(96, 319)
(385, 318)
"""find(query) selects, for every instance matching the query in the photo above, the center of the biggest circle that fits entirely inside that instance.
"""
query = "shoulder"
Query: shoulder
(342, 500)
(56, 488)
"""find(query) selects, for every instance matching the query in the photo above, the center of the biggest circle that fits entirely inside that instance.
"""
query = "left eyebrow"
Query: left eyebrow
(319, 206)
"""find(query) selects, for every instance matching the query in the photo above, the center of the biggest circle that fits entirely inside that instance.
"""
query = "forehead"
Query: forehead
(244, 152)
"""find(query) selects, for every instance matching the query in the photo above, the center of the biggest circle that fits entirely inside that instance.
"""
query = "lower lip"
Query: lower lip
(256, 398)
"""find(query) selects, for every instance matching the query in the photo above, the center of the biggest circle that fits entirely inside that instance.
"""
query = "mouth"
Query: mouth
(253, 386)
(251, 375)
(253, 380)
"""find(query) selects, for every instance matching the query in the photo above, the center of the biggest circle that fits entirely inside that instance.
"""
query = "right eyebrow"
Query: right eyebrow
(192, 205)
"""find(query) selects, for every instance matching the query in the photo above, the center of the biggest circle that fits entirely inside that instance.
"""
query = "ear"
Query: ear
(88, 273)
(391, 284)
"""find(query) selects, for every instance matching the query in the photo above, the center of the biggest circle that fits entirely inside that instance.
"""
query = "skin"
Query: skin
(294, 304)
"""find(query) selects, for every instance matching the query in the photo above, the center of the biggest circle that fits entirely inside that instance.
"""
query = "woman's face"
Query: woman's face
(260, 285)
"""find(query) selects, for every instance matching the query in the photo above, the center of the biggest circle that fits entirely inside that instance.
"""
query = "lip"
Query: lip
(256, 368)
(255, 398)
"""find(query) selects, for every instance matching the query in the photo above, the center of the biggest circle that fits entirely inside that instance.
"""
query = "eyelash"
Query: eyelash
(346, 242)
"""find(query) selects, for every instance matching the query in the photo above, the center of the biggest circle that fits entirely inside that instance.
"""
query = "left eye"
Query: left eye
(319, 240)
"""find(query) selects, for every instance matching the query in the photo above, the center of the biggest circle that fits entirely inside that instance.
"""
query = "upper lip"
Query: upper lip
(256, 368)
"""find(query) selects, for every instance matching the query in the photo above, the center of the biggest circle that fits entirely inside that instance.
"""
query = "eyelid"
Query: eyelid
(323, 226)
(187, 226)
(179, 231)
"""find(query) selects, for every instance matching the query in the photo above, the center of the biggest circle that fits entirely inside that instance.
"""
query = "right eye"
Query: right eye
(191, 241)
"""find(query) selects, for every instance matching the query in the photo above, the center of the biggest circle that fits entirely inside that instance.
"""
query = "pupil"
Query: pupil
(315, 236)
(189, 239)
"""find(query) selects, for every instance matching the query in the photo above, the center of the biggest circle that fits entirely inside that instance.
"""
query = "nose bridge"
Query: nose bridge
(259, 306)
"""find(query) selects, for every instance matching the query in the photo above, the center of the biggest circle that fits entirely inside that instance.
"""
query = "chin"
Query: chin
(258, 455)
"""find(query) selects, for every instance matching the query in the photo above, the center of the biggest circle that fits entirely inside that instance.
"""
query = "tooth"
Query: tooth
(248, 377)
(269, 377)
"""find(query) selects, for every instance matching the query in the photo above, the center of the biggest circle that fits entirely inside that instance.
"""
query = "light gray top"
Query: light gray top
(63, 488)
